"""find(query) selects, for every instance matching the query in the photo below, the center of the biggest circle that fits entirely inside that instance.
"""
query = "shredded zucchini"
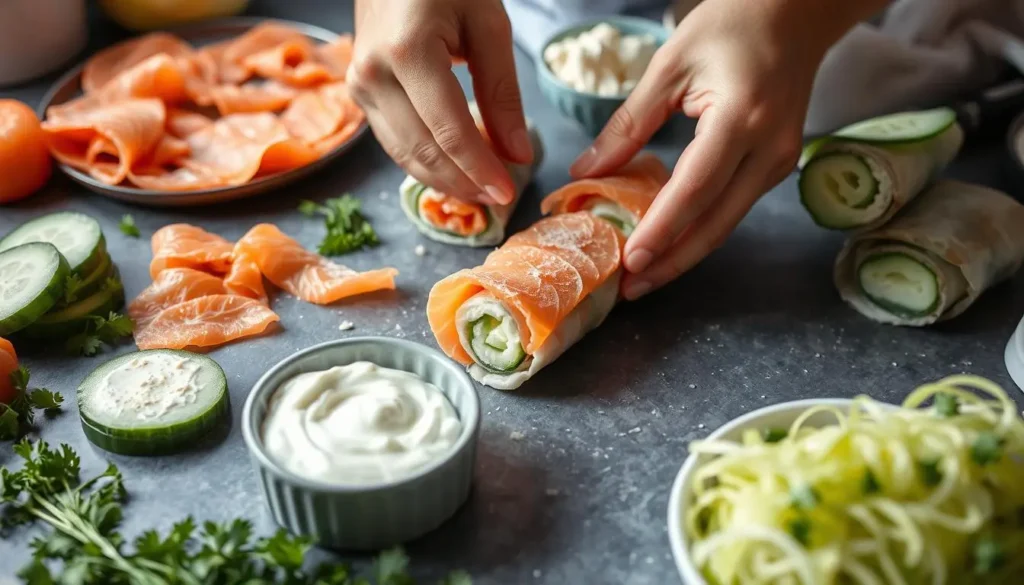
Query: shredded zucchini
(927, 493)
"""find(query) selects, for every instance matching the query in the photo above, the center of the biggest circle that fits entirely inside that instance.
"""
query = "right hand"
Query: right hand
(401, 75)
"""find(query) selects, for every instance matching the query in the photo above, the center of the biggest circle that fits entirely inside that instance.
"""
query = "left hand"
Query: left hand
(745, 69)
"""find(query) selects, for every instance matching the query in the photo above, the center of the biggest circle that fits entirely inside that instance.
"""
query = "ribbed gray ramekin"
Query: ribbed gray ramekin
(375, 516)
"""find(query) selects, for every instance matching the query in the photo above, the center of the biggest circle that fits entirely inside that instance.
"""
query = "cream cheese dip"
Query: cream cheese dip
(359, 424)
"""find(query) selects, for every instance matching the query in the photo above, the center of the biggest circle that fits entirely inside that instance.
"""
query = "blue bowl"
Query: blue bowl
(590, 110)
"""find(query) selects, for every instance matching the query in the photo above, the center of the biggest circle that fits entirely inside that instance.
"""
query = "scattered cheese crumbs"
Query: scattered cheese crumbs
(700, 426)
(419, 250)
(817, 355)
(634, 430)
(894, 364)
(693, 385)
(551, 492)
(516, 436)
(601, 60)
(600, 412)
(347, 326)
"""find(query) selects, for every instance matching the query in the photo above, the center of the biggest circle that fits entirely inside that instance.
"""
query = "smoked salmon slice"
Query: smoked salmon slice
(157, 77)
(540, 276)
(290, 62)
(305, 274)
(633, 187)
(336, 56)
(206, 321)
(323, 118)
(112, 61)
(245, 278)
(182, 245)
(172, 287)
(232, 55)
(128, 131)
(251, 96)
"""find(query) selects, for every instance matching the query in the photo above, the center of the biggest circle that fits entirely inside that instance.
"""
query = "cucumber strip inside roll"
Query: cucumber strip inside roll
(899, 283)
(615, 214)
(842, 190)
(490, 334)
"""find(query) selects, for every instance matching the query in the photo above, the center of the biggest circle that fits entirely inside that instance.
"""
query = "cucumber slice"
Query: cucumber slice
(74, 318)
(903, 127)
(32, 280)
(833, 186)
(899, 284)
(614, 214)
(493, 347)
(95, 280)
(77, 236)
(153, 401)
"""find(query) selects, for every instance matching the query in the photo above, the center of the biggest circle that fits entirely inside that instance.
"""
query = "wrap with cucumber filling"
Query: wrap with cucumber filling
(531, 300)
(935, 258)
(858, 178)
(622, 197)
(449, 220)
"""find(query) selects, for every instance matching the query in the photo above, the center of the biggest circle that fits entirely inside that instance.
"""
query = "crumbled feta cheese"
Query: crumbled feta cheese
(602, 60)
(346, 326)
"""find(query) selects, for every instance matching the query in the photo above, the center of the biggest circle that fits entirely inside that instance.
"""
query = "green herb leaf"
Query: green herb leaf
(774, 435)
(390, 568)
(347, 228)
(128, 226)
(800, 529)
(457, 578)
(869, 484)
(987, 448)
(43, 399)
(9, 423)
(17, 416)
(72, 284)
(930, 472)
(100, 331)
(947, 405)
(989, 555)
(804, 497)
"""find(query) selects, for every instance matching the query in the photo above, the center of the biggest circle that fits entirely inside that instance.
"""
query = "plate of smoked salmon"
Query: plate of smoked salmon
(204, 114)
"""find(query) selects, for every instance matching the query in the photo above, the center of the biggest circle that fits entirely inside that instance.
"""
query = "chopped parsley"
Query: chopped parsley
(19, 415)
(348, 229)
(128, 226)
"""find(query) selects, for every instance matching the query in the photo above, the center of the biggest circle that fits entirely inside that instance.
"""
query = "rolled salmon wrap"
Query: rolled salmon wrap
(935, 258)
(622, 197)
(449, 220)
(858, 178)
(531, 300)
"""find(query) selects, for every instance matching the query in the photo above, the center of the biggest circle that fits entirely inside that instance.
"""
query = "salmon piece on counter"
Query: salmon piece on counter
(206, 321)
(305, 274)
(187, 246)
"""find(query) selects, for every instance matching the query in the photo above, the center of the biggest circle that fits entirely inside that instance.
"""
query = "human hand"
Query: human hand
(401, 76)
(745, 70)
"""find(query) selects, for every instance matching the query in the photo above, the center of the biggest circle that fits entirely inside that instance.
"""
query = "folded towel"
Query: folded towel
(920, 53)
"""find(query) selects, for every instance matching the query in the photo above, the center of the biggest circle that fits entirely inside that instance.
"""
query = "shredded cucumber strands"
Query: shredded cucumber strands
(879, 496)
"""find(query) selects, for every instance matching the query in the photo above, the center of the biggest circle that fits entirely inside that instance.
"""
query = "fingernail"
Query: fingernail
(584, 163)
(497, 195)
(521, 146)
(637, 290)
(638, 260)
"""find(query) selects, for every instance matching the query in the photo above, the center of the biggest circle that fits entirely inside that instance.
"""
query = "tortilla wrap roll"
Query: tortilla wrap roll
(859, 184)
(935, 258)
(531, 300)
(449, 220)
(622, 197)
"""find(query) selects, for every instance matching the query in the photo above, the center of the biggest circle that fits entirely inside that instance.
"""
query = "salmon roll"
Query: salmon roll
(449, 220)
(530, 301)
(621, 197)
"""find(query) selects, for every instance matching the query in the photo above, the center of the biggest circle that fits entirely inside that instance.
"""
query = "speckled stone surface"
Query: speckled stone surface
(574, 470)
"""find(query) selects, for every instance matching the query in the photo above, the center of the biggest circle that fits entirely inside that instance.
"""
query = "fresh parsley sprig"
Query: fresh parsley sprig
(128, 226)
(100, 331)
(85, 546)
(19, 415)
(348, 229)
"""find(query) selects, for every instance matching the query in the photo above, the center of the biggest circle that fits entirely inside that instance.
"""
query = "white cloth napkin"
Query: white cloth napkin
(921, 53)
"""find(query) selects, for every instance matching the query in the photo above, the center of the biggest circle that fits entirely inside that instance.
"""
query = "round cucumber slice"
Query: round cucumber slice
(903, 127)
(77, 236)
(492, 347)
(833, 187)
(32, 280)
(94, 281)
(899, 284)
(152, 402)
(74, 318)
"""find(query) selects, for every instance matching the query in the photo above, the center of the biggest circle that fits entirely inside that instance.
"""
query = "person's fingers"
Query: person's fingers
(637, 119)
(488, 48)
(437, 97)
(709, 231)
(703, 171)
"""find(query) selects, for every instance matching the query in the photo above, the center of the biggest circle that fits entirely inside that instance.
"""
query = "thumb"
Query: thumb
(488, 45)
(645, 110)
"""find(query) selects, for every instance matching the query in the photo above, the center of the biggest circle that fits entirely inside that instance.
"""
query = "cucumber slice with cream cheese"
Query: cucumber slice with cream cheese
(154, 401)
(492, 345)
(32, 280)
(899, 284)
(77, 236)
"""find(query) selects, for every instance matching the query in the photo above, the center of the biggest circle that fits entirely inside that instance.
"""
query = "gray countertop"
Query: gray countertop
(574, 470)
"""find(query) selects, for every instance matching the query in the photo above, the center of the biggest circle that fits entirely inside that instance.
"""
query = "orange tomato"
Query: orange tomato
(8, 364)
(25, 163)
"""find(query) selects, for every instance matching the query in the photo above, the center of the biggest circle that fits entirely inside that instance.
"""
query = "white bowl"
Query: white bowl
(775, 416)
(1015, 356)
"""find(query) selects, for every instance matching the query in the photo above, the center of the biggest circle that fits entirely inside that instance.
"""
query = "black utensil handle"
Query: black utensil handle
(995, 106)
